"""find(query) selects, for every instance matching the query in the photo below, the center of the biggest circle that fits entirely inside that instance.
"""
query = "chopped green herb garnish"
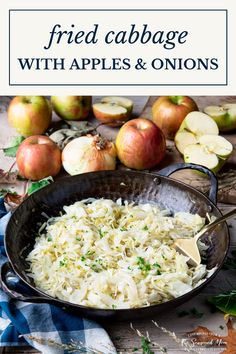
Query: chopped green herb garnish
(102, 233)
(49, 239)
(113, 306)
(83, 258)
(78, 239)
(145, 228)
(196, 313)
(123, 229)
(89, 253)
(145, 345)
(99, 261)
(63, 262)
(140, 260)
(143, 265)
(156, 265)
(183, 313)
(95, 268)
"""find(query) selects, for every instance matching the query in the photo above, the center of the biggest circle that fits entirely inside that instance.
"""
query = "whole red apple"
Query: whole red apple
(30, 115)
(168, 112)
(38, 157)
(72, 107)
(140, 144)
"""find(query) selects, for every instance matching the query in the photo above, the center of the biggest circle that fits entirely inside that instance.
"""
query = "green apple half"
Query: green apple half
(192, 128)
(211, 151)
(113, 110)
(224, 116)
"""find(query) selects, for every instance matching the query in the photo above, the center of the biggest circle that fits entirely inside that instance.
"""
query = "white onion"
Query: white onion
(89, 153)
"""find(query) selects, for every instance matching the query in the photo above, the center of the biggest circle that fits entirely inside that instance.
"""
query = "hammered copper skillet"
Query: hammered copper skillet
(132, 186)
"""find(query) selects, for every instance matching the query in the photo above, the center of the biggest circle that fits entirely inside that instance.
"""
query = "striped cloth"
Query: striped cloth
(47, 328)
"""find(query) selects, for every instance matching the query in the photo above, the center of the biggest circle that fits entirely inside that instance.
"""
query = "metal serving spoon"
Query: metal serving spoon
(189, 247)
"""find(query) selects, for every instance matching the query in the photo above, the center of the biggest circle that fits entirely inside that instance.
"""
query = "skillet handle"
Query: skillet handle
(5, 275)
(167, 171)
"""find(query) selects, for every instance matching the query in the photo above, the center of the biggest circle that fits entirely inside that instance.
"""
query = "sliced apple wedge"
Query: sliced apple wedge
(110, 113)
(193, 126)
(113, 110)
(217, 144)
(120, 101)
(197, 153)
(211, 151)
(224, 116)
(183, 139)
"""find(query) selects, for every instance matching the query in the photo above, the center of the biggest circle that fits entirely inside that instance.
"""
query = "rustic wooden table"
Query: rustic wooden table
(185, 318)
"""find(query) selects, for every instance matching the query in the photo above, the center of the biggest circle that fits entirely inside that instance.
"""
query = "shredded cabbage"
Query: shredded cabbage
(106, 254)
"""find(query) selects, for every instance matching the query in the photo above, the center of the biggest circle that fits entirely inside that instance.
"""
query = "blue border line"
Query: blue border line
(120, 10)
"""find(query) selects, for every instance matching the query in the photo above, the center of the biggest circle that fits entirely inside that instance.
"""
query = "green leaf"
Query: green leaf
(11, 151)
(4, 192)
(102, 233)
(226, 302)
(35, 186)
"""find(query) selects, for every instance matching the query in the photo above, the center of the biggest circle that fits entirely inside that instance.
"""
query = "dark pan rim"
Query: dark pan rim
(117, 172)
(95, 309)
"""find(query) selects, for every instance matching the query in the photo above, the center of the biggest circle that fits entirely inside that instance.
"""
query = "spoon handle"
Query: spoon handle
(214, 223)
